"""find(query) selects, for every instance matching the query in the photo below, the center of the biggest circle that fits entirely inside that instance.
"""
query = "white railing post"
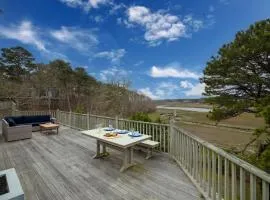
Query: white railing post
(57, 115)
(70, 118)
(116, 122)
(171, 135)
(88, 121)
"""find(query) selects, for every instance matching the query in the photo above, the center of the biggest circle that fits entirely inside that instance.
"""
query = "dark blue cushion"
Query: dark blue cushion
(18, 119)
(10, 121)
(37, 119)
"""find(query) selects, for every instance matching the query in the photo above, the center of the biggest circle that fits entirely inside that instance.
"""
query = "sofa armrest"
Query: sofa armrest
(5, 126)
(54, 120)
(19, 132)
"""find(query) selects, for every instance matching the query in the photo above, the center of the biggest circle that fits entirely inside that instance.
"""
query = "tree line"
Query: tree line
(58, 85)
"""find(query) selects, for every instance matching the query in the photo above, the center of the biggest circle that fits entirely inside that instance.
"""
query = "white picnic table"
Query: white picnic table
(123, 142)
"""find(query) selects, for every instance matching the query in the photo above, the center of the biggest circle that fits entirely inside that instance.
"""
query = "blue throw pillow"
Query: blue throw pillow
(10, 121)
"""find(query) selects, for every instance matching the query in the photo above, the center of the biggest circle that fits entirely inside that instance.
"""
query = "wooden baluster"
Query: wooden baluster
(226, 180)
(189, 155)
(234, 184)
(163, 144)
(193, 159)
(265, 190)
(214, 174)
(204, 168)
(252, 187)
(208, 172)
(219, 177)
(242, 184)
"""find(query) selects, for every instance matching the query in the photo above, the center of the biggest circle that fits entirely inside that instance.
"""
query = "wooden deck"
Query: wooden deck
(61, 167)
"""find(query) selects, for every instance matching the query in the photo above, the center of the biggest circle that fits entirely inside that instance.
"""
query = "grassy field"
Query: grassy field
(230, 133)
(245, 120)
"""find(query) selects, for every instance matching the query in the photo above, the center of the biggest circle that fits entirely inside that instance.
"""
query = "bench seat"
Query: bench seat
(149, 145)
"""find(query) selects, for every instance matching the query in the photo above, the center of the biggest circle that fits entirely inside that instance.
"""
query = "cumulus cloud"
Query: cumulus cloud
(158, 25)
(86, 5)
(116, 7)
(139, 63)
(186, 84)
(80, 39)
(24, 32)
(147, 92)
(193, 24)
(165, 72)
(114, 55)
(162, 91)
(196, 90)
(114, 74)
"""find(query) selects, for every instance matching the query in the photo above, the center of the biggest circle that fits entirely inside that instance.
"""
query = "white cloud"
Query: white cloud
(25, 33)
(139, 63)
(165, 72)
(158, 25)
(114, 55)
(147, 92)
(116, 7)
(86, 5)
(162, 91)
(186, 84)
(193, 24)
(80, 39)
(114, 74)
(196, 90)
(98, 19)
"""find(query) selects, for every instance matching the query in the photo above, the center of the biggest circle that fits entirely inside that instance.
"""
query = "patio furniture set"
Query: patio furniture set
(21, 127)
(121, 140)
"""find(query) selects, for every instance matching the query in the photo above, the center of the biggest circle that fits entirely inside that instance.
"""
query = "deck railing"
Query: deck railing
(216, 173)
(159, 132)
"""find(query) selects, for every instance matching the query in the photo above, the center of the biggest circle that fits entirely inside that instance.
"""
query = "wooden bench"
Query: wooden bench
(149, 145)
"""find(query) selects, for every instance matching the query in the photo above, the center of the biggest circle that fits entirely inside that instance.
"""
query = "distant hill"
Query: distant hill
(165, 101)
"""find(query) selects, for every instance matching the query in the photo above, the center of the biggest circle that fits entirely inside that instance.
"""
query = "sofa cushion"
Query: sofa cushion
(10, 121)
(37, 119)
(18, 119)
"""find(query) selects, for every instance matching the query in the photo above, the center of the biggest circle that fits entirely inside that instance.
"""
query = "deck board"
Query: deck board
(61, 167)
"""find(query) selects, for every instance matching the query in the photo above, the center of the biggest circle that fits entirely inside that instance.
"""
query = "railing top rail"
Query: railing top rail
(91, 115)
(152, 123)
(120, 119)
(245, 165)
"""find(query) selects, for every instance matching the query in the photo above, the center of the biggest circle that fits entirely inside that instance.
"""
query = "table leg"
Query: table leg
(125, 160)
(104, 152)
(149, 153)
(57, 131)
(131, 155)
(128, 159)
(97, 150)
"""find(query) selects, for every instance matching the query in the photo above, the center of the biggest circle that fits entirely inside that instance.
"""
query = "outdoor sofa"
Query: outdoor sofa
(21, 127)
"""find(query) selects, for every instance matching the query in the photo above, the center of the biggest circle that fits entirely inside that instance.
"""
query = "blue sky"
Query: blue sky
(160, 46)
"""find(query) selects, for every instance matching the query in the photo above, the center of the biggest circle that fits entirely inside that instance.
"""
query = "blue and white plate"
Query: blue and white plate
(108, 129)
(134, 134)
(121, 131)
